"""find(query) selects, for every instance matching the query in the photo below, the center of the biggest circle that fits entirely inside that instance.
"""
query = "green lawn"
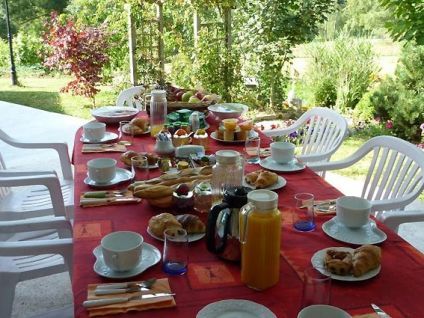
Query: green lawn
(44, 93)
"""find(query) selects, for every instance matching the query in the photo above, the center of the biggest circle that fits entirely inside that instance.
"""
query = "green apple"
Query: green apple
(186, 96)
(194, 99)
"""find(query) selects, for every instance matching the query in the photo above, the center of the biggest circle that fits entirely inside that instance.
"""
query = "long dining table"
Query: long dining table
(397, 289)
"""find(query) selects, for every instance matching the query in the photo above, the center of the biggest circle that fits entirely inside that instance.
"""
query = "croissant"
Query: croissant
(191, 223)
(161, 222)
(252, 177)
(266, 179)
(365, 259)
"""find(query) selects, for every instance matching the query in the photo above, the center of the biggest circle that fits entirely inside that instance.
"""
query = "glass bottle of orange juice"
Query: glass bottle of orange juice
(260, 232)
(158, 111)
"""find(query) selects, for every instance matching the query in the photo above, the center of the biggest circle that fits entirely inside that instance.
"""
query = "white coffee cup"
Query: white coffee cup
(94, 130)
(353, 211)
(101, 170)
(282, 151)
(122, 250)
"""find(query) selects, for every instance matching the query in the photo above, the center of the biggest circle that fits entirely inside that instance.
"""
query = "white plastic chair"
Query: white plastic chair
(44, 192)
(323, 133)
(132, 97)
(25, 260)
(395, 178)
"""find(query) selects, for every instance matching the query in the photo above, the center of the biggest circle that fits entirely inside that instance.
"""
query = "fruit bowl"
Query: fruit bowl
(228, 110)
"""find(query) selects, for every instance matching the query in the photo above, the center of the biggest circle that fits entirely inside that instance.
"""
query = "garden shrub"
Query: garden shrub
(400, 99)
(341, 72)
(364, 111)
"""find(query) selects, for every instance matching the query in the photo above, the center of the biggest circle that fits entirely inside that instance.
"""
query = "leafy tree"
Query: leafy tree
(272, 29)
(78, 52)
(407, 19)
(23, 12)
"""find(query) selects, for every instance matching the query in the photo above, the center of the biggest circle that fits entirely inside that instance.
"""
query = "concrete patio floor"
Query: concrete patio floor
(38, 296)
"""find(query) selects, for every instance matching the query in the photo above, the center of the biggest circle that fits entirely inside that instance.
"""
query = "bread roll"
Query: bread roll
(161, 222)
(365, 259)
(142, 123)
(252, 177)
(191, 223)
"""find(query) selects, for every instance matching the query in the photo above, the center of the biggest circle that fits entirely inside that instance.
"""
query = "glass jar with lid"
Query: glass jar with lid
(228, 171)
(158, 111)
(203, 197)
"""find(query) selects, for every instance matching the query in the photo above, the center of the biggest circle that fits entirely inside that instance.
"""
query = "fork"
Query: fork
(119, 288)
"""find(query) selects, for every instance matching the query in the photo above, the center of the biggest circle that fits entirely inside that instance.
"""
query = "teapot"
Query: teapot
(222, 229)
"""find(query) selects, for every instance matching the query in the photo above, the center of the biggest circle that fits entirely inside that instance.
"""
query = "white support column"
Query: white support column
(131, 46)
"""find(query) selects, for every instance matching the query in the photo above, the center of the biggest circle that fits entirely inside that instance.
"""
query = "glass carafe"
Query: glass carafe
(158, 111)
(260, 232)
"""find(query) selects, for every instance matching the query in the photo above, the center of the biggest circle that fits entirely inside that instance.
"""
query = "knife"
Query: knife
(380, 312)
(118, 300)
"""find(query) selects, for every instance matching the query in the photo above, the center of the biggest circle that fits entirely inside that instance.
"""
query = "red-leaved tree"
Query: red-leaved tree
(79, 52)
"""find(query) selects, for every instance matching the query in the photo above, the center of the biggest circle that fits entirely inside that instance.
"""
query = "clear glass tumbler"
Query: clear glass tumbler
(126, 133)
(303, 216)
(251, 149)
(316, 288)
(175, 251)
(140, 167)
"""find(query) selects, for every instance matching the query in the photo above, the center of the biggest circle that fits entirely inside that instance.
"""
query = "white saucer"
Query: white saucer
(109, 136)
(292, 166)
(232, 308)
(191, 237)
(281, 182)
(149, 257)
(317, 261)
(214, 136)
(122, 175)
(367, 234)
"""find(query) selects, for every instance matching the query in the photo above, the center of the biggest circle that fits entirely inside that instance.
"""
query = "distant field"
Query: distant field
(386, 50)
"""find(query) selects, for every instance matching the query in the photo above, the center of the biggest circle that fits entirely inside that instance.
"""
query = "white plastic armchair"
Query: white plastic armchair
(132, 97)
(394, 179)
(45, 192)
(24, 260)
(323, 132)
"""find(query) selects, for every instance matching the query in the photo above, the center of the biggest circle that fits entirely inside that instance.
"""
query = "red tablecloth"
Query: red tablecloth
(397, 289)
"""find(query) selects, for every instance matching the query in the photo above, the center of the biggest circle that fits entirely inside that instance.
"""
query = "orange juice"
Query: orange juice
(230, 123)
(260, 254)
(155, 129)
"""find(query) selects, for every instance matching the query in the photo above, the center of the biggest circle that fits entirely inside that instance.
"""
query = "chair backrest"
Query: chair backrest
(396, 172)
(132, 97)
(322, 131)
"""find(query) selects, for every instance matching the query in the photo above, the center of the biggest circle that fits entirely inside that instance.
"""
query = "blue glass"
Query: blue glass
(175, 268)
(304, 226)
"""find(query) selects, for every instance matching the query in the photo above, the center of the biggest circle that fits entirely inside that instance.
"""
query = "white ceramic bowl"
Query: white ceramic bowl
(114, 114)
(228, 110)
(322, 311)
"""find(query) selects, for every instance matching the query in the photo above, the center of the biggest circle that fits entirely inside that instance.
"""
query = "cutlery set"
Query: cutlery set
(121, 288)
(99, 198)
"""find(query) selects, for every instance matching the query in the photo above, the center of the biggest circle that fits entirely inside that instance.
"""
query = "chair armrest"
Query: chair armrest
(59, 246)
(394, 218)
(50, 181)
(25, 173)
(60, 147)
(38, 224)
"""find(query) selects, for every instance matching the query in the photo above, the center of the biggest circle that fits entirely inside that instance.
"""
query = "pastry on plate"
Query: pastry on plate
(191, 223)
(161, 222)
(126, 157)
(261, 179)
(338, 262)
(365, 259)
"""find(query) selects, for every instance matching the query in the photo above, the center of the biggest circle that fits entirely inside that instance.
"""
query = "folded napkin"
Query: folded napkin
(161, 285)
(116, 147)
(325, 207)
(113, 197)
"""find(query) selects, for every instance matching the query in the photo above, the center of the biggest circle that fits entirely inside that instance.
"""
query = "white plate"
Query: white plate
(252, 133)
(191, 237)
(121, 176)
(367, 234)
(327, 311)
(114, 114)
(292, 166)
(109, 136)
(235, 308)
(281, 182)
(149, 257)
(317, 261)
